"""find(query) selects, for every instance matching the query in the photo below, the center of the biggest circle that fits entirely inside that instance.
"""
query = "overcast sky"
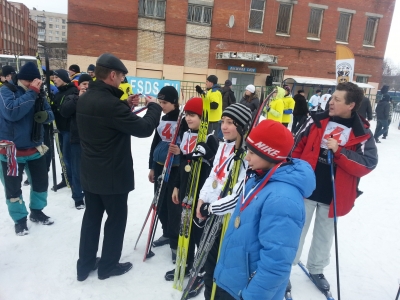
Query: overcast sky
(392, 49)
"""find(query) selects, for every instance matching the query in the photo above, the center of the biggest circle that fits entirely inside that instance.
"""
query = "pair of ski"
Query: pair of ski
(214, 223)
(326, 293)
(156, 204)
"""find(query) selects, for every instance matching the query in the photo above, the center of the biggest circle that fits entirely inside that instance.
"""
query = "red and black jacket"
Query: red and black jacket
(355, 159)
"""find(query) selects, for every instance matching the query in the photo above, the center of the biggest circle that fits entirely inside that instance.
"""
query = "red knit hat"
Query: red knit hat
(195, 105)
(271, 141)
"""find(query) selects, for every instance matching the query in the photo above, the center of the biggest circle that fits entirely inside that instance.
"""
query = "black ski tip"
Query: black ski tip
(150, 254)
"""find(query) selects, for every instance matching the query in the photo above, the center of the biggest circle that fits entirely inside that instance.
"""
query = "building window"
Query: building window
(57, 20)
(284, 18)
(41, 31)
(152, 8)
(50, 38)
(344, 27)
(256, 15)
(362, 79)
(63, 27)
(50, 25)
(57, 38)
(277, 75)
(63, 21)
(57, 32)
(50, 31)
(315, 24)
(64, 40)
(370, 31)
(57, 26)
(51, 20)
(63, 34)
(199, 14)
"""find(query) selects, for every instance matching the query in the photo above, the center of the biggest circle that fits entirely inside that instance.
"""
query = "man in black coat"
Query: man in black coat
(300, 111)
(365, 109)
(105, 126)
(382, 114)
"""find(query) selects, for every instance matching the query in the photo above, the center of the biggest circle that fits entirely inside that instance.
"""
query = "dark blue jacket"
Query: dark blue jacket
(16, 116)
(264, 246)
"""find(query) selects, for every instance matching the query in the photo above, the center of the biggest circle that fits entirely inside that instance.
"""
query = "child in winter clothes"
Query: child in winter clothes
(235, 118)
(288, 107)
(169, 213)
(188, 152)
(264, 231)
(276, 106)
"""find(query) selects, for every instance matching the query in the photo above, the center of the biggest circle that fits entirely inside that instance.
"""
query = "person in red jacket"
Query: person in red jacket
(342, 131)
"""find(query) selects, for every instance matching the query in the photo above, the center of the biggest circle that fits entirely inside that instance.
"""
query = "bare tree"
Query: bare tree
(389, 67)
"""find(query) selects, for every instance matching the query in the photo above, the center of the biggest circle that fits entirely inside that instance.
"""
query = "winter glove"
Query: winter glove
(202, 150)
(41, 116)
(199, 90)
(214, 105)
(204, 210)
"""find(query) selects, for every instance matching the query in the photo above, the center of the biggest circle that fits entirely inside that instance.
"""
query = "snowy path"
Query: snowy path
(42, 265)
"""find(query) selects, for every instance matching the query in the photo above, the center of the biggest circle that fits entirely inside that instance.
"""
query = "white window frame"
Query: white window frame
(191, 14)
(346, 39)
(288, 22)
(262, 19)
(143, 13)
(375, 30)
(310, 35)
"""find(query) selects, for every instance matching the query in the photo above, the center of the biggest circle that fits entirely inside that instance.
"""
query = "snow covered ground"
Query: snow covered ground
(42, 265)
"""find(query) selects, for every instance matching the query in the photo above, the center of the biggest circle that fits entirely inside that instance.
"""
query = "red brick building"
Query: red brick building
(187, 40)
(18, 33)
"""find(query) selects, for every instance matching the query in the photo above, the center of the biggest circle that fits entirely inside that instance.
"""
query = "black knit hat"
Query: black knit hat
(91, 68)
(213, 79)
(63, 75)
(84, 77)
(29, 71)
(228, 82)
(239, 113)
(74, 68)
(7, 70)
(168, 93)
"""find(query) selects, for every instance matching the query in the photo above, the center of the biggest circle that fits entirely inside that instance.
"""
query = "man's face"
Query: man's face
(9, 77)
(209, 84)
(71, 73)
(91, 73)
(84, 85)
(116, 78)
(57, 81)
(338, 106)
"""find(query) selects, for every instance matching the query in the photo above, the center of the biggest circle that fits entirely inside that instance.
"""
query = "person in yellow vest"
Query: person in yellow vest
(288, 106)
(215, 96)
(276, 106)
(126, 88)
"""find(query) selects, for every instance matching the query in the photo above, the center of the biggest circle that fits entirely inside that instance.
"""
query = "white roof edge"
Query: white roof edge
(322, 81)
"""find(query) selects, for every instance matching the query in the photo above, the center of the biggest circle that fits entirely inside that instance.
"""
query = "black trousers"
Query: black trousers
(39, 178)
(169, 213)
(209, 268)
(46, 140)
(116, 207)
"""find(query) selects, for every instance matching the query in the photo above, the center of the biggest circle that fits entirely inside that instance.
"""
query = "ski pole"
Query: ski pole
(330, 161)
(398, 294)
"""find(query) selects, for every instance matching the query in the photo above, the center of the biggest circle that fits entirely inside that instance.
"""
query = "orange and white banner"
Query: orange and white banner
(344, 64)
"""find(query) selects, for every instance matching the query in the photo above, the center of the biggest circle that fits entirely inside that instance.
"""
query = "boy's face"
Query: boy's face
(209, 84)
(193, 120)
(166, 106)
(256, 162)
(84, 85)
(228, 129)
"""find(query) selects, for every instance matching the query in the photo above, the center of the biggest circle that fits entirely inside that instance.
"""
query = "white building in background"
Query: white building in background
(52, 27)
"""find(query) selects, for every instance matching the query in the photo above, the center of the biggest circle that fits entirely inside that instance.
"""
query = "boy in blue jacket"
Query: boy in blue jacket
(263, 235)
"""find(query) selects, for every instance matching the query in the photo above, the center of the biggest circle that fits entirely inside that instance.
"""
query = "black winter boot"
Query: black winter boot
(21, 228)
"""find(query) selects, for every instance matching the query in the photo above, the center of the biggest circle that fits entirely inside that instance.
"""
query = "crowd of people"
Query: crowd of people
(283, 180)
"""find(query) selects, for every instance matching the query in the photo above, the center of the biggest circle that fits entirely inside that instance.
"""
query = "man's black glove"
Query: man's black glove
(200, 90)
(202, 150)
(204, 210)
(41, 116)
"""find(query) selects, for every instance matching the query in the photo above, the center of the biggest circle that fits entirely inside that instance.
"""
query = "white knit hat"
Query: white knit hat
(251, 88)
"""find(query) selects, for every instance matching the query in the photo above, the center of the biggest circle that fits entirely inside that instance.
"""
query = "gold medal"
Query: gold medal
(215, 184)
(237, 222)
(188, 168)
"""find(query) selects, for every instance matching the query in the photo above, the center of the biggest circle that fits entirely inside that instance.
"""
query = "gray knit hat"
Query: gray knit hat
(239, 113)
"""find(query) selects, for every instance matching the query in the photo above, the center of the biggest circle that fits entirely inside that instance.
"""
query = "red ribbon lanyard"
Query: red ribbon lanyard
(257, 190)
